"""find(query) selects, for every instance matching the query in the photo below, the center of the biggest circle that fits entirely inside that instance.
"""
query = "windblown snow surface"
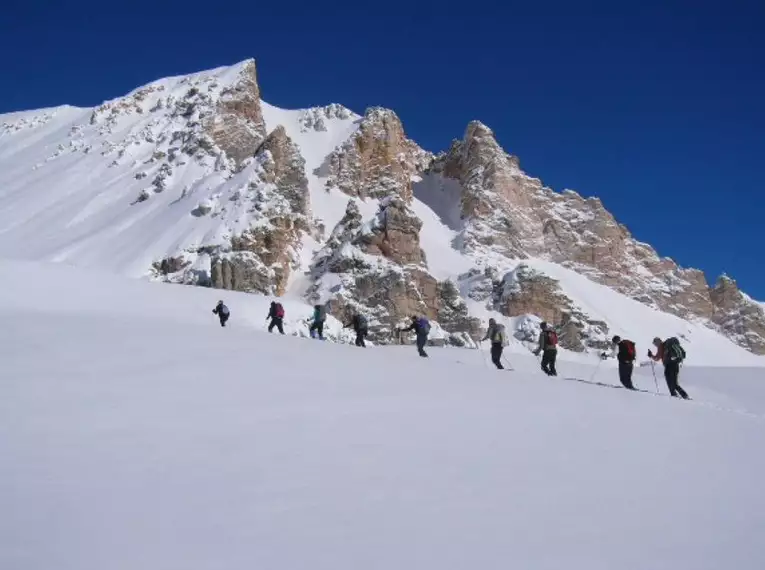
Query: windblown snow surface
(136, 433)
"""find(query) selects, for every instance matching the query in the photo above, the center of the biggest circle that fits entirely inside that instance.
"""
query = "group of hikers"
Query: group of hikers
(669, 352)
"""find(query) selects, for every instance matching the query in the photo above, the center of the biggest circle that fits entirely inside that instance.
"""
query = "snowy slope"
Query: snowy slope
(71, 181)
(136, 433)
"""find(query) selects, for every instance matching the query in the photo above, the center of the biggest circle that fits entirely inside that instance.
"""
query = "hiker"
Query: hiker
(276, 314)
(548, 346)
(359, 324)
(223, 313)
(421, 327)
(626, 358)
(319, 316)
(496, 334)
(671, 354)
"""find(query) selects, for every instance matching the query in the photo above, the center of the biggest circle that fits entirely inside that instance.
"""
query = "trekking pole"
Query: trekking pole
(592, 378)
(483, 355)
(655, 381)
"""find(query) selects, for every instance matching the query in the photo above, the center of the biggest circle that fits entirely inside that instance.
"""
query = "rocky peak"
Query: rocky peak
(509, 214)
(237, 126)
(377, 160)
(737, 315)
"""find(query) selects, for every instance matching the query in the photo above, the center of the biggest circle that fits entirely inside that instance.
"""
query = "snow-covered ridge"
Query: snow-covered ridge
(193, 179)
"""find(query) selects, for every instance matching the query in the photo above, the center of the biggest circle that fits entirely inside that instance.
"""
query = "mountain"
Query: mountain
(196, 180)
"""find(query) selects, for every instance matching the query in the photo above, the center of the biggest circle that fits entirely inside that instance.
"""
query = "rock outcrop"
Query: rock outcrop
(284, 167)
(262, 257)
(377, 267)
(738, 316)
(524, 291)
(237, 125)
(377, 161)
(507, 214)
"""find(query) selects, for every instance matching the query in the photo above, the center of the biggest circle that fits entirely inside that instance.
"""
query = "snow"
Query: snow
(137, 433)
(71, 181)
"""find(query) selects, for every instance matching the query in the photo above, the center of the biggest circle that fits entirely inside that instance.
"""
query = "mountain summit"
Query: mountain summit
(196, 180)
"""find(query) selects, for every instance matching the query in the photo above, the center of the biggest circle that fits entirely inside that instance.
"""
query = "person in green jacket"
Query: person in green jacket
(317, 326)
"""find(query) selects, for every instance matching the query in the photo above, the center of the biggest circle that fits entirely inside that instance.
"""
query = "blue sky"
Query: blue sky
(655, 106)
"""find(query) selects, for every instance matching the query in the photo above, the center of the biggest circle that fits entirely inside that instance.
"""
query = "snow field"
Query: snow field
(136, 433)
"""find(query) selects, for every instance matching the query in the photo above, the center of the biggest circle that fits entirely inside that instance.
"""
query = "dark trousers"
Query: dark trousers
(625, 374)
(223, 319)
(422, 340)
(317, 326)
(360, 334)
(548, 362)
(276, 322)
(671, 371)
(496, 354)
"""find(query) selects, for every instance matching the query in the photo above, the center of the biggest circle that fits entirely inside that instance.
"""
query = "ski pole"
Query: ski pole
(592, 378)
(655, 381)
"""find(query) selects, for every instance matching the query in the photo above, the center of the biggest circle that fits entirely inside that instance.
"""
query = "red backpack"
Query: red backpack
(279, 311)
(629, 348)
(551, 339)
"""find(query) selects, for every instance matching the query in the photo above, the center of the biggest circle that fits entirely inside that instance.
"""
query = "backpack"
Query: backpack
(319, 314)
(424, 325)
(361, 322)
(279, 311)
(673, 352)
(499, 335)
(223, 310)
(629, 348)
(551, 339)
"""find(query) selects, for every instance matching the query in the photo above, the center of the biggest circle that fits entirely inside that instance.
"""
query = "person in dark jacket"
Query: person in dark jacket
(276, 314)
(359, 324)
(223, 313)
(496, 334)
(626, 358)
(319, 316)
(421, 328)
(548, 346)
(671, 354)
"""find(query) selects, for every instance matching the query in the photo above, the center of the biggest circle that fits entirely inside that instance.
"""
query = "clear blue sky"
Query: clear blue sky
(655, 106)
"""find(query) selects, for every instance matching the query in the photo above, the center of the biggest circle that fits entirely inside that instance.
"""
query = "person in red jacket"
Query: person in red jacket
(626, 358)
(671, 354)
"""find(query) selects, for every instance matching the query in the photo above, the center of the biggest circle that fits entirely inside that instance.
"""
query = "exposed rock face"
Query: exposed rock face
(316, 119)
(259, 258)
(377, 161)
(381, 272)
(170, 265)
(525, 291)
(237, 126)
(528, 292)
(241, 271)
(262, 258)
(285, 167)
(454, 317)
(394, 234)
(507, 214)
(741, 318)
